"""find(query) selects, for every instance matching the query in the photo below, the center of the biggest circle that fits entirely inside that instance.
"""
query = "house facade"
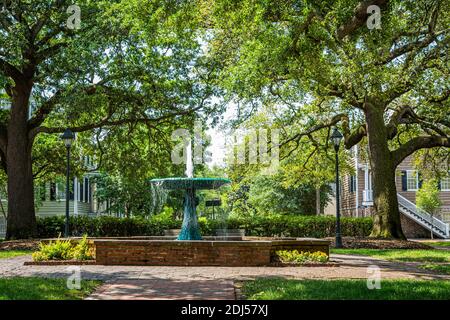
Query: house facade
(357, 198)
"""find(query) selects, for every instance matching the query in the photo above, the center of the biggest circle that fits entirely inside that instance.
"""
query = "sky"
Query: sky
(219, 136)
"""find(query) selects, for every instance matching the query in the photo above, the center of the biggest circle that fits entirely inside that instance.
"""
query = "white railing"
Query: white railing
(417, 212)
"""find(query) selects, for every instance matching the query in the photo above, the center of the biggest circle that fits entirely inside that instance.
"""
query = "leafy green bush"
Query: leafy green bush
(54, 250)
(264, 226)
(82, 250)
(64, 250)
(293, 256)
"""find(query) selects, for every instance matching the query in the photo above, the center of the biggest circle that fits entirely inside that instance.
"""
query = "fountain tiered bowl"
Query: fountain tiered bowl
(191, 183)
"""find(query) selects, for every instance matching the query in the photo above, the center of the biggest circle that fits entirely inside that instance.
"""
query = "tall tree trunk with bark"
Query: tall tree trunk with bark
(21, 212)
(387, 219)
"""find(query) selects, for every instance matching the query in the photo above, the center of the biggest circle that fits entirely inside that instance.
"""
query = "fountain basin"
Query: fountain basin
(157, 252)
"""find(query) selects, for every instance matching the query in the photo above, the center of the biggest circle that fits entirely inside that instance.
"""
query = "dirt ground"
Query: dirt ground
(19, 245)
(348, 243)
(366, 243)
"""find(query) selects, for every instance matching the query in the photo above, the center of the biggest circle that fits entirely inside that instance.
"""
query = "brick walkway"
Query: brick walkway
(206, 282)
(165, 289)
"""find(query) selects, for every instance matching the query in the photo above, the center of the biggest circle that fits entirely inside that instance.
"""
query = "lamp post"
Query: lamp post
(336, 137)
(68, 136)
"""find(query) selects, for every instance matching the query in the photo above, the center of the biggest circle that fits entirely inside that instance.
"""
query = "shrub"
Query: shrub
(82, 250)
(293, 256)
(54, 250)
(64, 250)
(262, 226)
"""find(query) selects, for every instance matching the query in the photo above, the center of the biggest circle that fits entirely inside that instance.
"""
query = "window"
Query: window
(445, 183)
(352, 183)
(412, 180)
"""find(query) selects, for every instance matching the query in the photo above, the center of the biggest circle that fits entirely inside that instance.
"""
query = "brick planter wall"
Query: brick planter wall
(198, 253)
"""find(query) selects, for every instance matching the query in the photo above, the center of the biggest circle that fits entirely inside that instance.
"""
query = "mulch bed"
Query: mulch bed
(367, 243)
(59, 263)
(31, 245)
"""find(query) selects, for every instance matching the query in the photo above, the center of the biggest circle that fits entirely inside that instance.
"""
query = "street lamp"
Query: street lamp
(68, 136)
(336, 137)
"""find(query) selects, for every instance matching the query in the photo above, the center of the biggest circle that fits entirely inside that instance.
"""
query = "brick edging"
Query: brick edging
(60, 263)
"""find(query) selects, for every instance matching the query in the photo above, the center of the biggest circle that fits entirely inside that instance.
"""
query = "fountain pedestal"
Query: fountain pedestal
(190, 229)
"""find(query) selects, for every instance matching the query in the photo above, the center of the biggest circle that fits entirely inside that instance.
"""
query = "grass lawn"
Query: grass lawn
(13, 253)
(282, 289)
(439, 243)
(401, 255)
(440, 268)
(24, 288)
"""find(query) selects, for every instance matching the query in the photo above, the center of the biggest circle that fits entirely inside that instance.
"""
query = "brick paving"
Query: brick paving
(161, 282)
(165, 289)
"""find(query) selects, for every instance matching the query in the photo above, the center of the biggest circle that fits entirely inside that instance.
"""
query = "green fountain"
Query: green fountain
(190, 229)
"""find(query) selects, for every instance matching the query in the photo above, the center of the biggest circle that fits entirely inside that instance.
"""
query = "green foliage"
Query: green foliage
(39, 288)
(439, 268)
(269, 226)
(401, 255)
(13, 253)
(82, 250)
(345, 289)
(427, 198)
(268, 194)
(293, 256)
(64, 250)
(54, 250)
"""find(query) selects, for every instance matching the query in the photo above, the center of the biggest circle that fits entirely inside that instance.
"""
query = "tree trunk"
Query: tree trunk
(21, 213)
(387, 215)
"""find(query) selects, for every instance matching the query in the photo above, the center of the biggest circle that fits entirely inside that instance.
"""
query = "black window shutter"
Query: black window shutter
(404, 183)
(81, 190)
(420, 180)
(439, 184)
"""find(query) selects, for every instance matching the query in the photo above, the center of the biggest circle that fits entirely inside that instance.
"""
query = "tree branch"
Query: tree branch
(11, 71)
(359, 17)
(418, 143)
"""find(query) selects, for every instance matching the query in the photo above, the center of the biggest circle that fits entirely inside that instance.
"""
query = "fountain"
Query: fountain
(190, 229)
(211, 251)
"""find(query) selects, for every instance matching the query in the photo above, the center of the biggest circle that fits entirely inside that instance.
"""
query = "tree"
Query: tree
(127, 62)
(427, 198)
(320, 66)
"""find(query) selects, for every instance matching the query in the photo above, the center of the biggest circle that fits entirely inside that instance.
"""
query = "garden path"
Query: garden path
(161, 282)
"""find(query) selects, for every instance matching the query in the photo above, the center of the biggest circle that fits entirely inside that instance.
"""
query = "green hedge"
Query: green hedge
(268, 226)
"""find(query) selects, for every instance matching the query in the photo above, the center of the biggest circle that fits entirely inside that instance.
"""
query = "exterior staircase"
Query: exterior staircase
(423, 218)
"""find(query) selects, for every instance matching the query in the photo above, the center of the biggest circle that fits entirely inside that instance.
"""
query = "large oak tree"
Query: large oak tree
(128, 62)
(324, 65)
